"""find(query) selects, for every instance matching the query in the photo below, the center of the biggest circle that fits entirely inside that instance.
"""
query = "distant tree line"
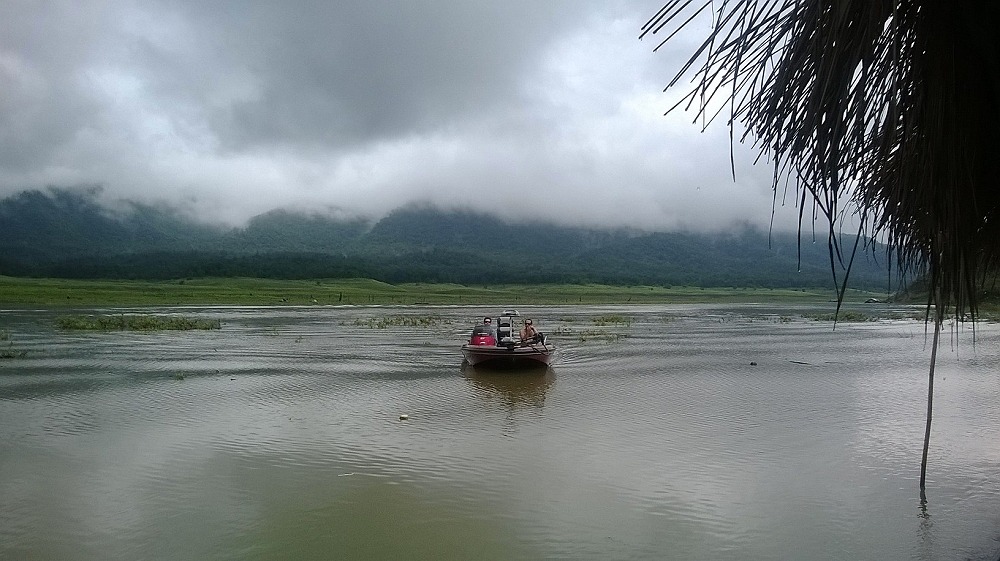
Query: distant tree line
(67, 234)
(435, 266)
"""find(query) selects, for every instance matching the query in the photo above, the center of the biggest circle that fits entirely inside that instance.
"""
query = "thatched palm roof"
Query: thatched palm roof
(885, 109)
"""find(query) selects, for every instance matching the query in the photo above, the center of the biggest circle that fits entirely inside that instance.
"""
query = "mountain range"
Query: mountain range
(67, 233)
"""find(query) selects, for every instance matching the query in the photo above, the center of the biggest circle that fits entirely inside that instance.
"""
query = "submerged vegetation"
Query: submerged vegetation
(854, 316)
(397, 321)
(596, 336)
(10, 352)
(7, 349)
(844, 317)
(126, 322)
(612, 319)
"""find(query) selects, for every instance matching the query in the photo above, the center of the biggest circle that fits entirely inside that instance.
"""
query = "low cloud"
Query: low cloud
(230, 109)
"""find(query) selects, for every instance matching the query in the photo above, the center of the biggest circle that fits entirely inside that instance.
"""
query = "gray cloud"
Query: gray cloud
(547, 110)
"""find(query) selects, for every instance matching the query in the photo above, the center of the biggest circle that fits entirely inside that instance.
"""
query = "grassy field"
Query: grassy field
(22, 292)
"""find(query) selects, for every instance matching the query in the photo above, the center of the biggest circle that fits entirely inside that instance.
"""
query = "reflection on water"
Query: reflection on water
(524, 387)
(682, 432)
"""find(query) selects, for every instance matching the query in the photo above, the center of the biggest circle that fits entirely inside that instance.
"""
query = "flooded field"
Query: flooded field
(660, 432)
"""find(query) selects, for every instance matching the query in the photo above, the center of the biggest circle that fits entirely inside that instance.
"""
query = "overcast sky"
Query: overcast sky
(550, 109)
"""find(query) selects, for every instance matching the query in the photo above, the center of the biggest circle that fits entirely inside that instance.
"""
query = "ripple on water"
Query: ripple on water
(665, 439)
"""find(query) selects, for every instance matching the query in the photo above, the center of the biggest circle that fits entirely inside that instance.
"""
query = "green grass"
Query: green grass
(124, 322)
(15, 291)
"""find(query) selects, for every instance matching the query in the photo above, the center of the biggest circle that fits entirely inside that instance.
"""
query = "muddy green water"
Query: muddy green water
(279, 437)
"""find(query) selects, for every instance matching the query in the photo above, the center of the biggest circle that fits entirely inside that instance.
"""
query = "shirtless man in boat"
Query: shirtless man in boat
(529, 334)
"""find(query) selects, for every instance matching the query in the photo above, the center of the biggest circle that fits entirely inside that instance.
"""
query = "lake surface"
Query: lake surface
(279, 437)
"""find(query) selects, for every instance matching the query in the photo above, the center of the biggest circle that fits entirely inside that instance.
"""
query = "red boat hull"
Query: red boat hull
(528, 355)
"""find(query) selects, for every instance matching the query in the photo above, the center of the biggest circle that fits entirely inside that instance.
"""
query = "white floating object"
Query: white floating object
(403, 417)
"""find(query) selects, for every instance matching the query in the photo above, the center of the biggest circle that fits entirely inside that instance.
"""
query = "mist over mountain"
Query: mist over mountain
(67, 233)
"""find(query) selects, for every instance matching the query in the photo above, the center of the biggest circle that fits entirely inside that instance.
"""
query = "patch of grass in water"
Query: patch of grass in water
(9, 351)
(612, 319)
(769, 319)
(398, 321)
(843, 317)
(594, 336)
(859, 317)
(125, 322)
(990, 311)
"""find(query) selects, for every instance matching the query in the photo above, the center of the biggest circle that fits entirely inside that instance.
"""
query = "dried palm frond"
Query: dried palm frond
(882, 109)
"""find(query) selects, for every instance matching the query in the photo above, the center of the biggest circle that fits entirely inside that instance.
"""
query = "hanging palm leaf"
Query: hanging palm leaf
(881, 109)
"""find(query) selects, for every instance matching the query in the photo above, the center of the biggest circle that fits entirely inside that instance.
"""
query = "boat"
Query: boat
(499, 345)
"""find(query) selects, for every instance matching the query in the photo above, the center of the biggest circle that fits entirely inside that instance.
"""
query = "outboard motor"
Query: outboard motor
(482, 335)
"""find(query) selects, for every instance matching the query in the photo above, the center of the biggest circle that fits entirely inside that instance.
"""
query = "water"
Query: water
(279, 437)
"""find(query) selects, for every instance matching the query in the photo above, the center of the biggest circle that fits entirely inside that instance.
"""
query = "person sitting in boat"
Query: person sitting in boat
(529, 334)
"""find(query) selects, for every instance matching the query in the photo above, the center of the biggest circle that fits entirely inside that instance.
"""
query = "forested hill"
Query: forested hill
(63, 233)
